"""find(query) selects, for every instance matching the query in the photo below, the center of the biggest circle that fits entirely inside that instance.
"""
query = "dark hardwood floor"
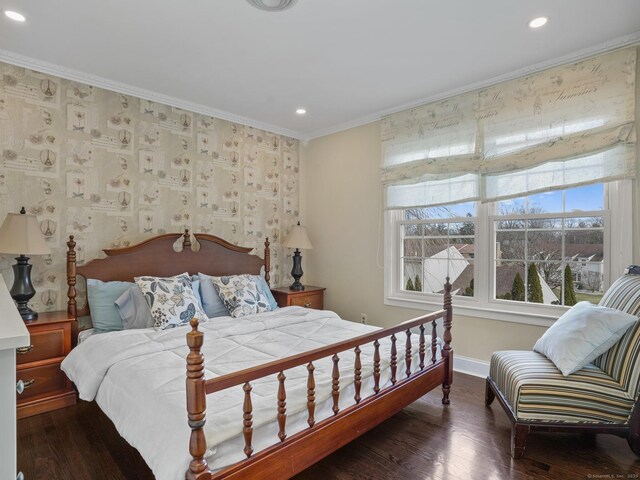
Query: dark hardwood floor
(425, 441)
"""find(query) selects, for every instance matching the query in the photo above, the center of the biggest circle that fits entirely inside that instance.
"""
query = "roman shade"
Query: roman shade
(566, 126)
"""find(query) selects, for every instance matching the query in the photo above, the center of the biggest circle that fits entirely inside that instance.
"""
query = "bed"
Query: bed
(284, 388)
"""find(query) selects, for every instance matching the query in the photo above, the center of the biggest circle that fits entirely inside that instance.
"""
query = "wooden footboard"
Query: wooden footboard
(292, 454)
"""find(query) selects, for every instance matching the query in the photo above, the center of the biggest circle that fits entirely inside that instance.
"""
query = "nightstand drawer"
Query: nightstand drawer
(41, 380)
(312, 300)
(46, 387)
(44, 345)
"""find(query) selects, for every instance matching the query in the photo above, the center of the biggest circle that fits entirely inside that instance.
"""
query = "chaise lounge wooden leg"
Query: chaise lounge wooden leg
(634, 443)
(634, 431)
(519, 434)
(489, 396)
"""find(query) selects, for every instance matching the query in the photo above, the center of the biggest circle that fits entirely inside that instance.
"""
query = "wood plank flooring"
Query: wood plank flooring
(425, 441)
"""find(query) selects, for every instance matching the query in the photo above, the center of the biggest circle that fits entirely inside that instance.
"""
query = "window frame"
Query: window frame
(430, 221)
(606, 247)
(618, 255)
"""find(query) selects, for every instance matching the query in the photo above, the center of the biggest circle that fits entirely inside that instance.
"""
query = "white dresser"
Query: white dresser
(13, 334)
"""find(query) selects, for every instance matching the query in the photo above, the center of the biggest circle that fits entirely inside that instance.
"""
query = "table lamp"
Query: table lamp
(20, 235)
(297, 239)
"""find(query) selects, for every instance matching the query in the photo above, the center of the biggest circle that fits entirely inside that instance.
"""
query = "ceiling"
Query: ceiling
(346, 61)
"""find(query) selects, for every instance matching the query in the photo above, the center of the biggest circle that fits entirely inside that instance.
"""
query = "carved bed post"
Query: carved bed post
(72, 304)
(447, 352)
(267, 261)
(196, 405)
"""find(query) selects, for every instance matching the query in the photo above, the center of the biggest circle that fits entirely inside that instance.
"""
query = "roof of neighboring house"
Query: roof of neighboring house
(505, 274)
(448, 262)
(592, 251)
(433, 249)
(466, 249)
(464, 280)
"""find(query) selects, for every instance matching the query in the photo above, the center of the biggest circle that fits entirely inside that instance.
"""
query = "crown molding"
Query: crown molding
(118, 87)
(101, 82)
(616, 43)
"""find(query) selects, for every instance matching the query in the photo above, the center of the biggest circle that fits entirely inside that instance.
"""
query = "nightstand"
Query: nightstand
(46, 387)
(310, 297)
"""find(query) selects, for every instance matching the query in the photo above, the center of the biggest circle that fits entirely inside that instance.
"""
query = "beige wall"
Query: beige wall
(343, 214)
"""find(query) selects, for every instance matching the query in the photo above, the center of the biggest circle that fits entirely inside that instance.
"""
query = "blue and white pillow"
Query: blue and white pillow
(213, 305)
(171, 300)
(241, 294)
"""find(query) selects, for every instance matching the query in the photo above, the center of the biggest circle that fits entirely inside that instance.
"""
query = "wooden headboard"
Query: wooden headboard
(157, 257)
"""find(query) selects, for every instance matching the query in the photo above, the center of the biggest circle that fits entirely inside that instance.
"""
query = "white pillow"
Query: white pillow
(582, 334)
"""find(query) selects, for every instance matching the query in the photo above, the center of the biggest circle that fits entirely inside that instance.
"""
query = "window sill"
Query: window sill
(493, 311)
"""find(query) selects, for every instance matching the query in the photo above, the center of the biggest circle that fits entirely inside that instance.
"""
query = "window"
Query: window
(546, 243)
(532, 255)
(438, 242)
(520, 192)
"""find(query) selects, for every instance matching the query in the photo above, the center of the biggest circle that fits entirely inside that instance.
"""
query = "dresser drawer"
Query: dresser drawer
(41, 380)
(311, 300)
(44, 344)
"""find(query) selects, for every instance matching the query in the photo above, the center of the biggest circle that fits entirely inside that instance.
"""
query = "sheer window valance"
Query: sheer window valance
(565, 126)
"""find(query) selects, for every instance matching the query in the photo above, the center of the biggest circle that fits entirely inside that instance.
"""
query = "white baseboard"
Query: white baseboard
(470, 366)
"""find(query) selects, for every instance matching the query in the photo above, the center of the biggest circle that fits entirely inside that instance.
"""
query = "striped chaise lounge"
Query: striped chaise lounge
(600, 398)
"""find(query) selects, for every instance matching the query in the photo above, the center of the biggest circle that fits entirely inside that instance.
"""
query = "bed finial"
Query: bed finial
(72, 305)
(186, 241)
(447, 352)
(196, 404)
(267, 261)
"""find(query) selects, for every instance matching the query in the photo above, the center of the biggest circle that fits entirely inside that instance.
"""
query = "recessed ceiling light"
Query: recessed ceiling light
(301, 111)
(272, 5)
(538, 22)
(18, 17)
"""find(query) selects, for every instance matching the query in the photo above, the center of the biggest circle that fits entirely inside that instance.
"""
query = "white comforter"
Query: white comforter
(138, 379)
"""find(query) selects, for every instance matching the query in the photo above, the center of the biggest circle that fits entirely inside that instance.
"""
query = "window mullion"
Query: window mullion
(562, 252)
(483, 256)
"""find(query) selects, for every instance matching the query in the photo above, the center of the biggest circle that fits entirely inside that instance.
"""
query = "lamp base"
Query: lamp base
(296, 286)
(296, 272)
(22, 290)
(27, 314)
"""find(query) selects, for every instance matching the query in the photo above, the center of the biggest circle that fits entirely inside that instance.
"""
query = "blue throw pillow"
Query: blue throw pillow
(195, 284)
(211, 302)
(262, 283)
(102, 298)
(134, 309)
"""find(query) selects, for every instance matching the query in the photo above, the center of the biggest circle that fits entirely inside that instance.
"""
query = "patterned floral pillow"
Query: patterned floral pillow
(241, 294)
(171, 300)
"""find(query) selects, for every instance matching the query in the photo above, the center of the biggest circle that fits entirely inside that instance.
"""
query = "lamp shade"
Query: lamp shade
(21, 235)
(298, 238)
